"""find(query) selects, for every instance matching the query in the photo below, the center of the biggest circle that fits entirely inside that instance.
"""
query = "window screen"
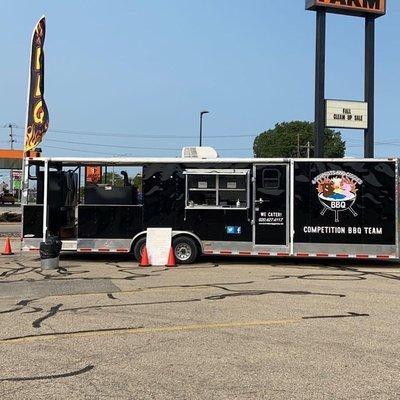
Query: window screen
(202, 190)
(232, 182)
(202, 182)
(225, 191)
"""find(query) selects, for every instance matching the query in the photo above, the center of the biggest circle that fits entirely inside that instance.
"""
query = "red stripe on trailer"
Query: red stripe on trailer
(208, 252)
(104, 250)
(226, 252)
(384, 256)
(85, 250)
(33, 249)
(122, 250)
(322, 255)
(302, 254)
(264, 253)
(245, 253)
(362, 256)
(342, 255)
(282, 254)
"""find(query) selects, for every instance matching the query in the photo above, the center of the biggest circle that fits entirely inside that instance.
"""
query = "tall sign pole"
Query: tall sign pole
(346, 117)
(319, 126)
(369, 91)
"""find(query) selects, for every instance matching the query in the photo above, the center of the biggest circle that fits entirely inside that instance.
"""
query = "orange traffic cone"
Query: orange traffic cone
(144, 261)
(171, 258)
(7, 248)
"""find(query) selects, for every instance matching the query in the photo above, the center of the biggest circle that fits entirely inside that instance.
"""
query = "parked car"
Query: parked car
(7, 198)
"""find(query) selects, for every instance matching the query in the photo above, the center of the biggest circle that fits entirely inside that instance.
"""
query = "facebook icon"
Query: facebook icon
(233, 230)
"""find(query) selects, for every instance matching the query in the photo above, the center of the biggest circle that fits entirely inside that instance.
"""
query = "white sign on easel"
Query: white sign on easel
(158, 244)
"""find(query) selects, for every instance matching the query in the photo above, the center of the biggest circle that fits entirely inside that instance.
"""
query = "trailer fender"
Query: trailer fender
(176, 234)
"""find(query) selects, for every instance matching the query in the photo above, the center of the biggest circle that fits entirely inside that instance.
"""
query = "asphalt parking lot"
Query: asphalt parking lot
(221, 329)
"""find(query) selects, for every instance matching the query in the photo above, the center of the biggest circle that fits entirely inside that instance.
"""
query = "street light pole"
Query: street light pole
(201, 125)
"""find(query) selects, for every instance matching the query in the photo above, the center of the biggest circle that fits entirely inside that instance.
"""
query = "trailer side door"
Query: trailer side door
(271, 205)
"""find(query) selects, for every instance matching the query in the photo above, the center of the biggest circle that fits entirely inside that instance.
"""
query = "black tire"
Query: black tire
(138, 248)
(185, 250)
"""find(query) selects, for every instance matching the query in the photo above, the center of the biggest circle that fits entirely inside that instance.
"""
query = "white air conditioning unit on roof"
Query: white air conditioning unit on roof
(199, 152)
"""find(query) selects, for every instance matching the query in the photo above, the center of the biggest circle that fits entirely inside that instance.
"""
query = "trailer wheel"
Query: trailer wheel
(185, 250)
(138, 248)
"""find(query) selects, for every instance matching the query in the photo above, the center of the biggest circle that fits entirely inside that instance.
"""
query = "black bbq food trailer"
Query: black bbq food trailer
(345, 208)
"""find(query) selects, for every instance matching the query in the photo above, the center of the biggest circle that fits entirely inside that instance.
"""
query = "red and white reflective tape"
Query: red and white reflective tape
(86, 250)
(249, 253)
(311, 255)
(342, 255)
(101, 250)
(245, 253)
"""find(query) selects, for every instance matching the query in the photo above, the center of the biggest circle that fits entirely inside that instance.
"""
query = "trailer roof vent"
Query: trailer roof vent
(199, 152)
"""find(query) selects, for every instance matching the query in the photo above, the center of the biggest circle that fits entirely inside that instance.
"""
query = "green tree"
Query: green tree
(119, 180)
(115, 178)
(137, 181)
(283, 140)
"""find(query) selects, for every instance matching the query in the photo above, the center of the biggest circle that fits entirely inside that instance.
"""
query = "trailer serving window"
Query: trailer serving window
(225, 188)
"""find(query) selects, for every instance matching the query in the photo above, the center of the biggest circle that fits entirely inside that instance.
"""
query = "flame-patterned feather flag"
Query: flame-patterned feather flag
(37, 119)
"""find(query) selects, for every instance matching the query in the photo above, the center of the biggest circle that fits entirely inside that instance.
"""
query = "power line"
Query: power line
(148, 148)
(178, 149)
(83, 151)
(166, 148)
(141, 135)
(114, 145)
(129, 147)
(153, 136)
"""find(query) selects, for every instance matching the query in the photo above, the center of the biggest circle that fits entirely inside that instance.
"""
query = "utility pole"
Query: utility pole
(298, 145)
(11, 141)
(11, 136)
(307, 146)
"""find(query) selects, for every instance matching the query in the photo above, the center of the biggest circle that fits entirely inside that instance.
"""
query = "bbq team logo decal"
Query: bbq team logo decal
(337, 191)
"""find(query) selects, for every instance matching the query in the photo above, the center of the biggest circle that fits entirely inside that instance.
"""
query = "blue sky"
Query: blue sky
(143, 70)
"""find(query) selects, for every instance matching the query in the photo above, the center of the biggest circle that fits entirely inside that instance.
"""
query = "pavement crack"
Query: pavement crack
(53, 311)
(348, 315)
(11, 310)
(264, 292)
(74, 309)
(34, 310)
(24, 302)
(53, 376)
(20, 305)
